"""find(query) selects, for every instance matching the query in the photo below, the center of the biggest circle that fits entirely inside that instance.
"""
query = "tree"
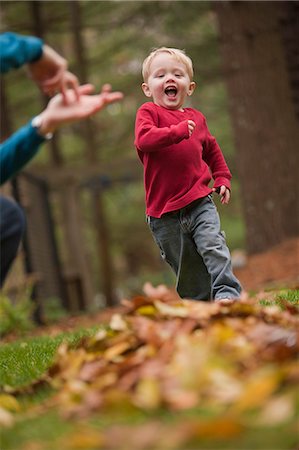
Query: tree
(259, 44)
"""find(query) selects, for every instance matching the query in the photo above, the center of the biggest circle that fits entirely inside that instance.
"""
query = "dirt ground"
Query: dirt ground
(276, 268)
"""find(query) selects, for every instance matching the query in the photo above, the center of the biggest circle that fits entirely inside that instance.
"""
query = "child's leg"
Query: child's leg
(193, 279)
(211, 245)
(178, 250)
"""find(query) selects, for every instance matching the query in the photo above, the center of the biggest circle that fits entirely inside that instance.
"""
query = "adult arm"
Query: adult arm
(16, 50)
(21, 147)
(18, 150)
(45, 66)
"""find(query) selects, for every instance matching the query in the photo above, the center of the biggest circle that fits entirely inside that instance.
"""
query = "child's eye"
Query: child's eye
(178, 75)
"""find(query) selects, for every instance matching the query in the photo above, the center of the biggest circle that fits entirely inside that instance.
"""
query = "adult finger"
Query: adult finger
(112, 97)
(87, 88)
(106, 88)
(105, 99)
(70, 96)
(54, 81)
(71, 82)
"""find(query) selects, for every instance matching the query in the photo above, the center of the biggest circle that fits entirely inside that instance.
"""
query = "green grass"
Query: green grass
(24, 361)
(50, 430)
(286, 295)
(45, 428)
(15, 315)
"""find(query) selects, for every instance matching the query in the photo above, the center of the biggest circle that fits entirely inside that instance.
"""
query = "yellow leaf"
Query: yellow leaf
(85, 439)
(116, 350)
(148, 394)
(223, 332)
(147, 310)
(258, 390)
(171, 310)
(219, 428)
(9, 403)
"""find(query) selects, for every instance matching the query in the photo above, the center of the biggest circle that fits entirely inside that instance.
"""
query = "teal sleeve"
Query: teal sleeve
(18, 150)
(16, 50)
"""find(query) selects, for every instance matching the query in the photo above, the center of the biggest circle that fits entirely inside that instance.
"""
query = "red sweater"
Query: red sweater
(177, 169)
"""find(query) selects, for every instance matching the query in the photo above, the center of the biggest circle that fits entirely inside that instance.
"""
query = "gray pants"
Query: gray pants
(191, 242)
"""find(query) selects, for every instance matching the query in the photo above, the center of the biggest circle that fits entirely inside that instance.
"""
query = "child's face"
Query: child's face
(168, 82)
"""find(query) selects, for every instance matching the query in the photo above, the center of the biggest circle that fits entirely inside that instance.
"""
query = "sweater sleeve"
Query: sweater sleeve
(16, 50)
(18, 150)
(213, 156)
(149, 137)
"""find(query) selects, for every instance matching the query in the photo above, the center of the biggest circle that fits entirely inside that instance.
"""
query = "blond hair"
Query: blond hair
(180, 55)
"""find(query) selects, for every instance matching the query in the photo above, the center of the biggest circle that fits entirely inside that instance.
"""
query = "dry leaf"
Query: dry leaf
(258, 389)
(6, 418)
(276, 411)
(147, 394)
(9, 402)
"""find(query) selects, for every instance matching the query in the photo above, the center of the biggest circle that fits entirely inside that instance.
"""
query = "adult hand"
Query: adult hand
(59, 112)
(224, 193)
(51, 75)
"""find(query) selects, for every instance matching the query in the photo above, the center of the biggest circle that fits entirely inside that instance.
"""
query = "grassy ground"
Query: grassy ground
(39, 428)
(26, 360)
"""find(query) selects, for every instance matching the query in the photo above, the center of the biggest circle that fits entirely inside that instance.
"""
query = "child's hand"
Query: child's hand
(224, 192)
(191, 126)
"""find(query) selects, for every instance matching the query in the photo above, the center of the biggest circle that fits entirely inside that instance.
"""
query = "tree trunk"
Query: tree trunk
(38, 27)
(262, 94)
(100, 220)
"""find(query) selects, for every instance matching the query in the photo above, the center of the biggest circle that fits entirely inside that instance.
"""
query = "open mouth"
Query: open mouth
(171, 91)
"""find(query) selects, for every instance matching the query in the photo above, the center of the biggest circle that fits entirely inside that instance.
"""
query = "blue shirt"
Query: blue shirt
(20, 148)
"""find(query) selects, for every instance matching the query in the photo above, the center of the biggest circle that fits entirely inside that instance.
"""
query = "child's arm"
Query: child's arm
(150, 138)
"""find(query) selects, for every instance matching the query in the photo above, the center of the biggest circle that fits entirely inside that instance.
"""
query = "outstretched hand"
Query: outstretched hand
(59, 112)
(224, 193)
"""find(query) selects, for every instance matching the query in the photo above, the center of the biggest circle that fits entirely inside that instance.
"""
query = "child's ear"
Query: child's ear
(192, 88)
(146, 90)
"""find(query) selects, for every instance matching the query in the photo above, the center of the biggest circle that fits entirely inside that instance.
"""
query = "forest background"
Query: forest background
(106, 42)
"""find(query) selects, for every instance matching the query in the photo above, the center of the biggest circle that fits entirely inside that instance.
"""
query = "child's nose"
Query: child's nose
(170, 78)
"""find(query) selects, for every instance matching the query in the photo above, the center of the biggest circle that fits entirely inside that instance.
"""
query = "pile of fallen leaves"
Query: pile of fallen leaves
(181, 354)
(237, 362)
